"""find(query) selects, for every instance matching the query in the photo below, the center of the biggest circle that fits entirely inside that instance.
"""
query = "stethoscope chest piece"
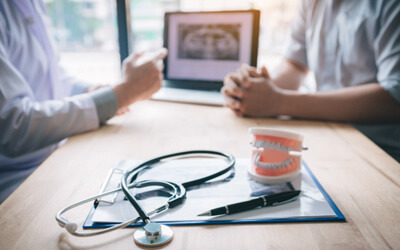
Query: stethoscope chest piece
(153, 235)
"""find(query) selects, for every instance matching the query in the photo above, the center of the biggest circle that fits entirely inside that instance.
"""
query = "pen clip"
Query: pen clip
(277, 203)
(281, 198)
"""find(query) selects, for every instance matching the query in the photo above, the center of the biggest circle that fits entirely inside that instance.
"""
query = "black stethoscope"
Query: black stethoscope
(152, 234)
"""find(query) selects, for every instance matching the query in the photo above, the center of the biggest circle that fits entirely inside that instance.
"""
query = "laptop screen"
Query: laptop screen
(205, 46)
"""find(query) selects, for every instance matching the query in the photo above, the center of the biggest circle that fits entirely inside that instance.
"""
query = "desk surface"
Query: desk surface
(362, 180)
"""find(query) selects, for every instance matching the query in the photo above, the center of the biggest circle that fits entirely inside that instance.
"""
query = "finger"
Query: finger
(237, 79)
(265, 72)
(249, 71)
(232, 77)
(231, 89)
(134, 57)
(233, 103)
(161, 54)
(238, 112)
(244, 73)
(160, 65)
(253, 72)
(123, 111)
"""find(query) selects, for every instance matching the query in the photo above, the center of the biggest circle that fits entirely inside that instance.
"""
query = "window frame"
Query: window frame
(124, 28)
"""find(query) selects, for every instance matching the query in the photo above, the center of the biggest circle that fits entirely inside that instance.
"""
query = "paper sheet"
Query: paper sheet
(228, 189)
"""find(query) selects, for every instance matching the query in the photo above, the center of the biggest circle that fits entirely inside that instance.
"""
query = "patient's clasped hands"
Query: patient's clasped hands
(250, 92)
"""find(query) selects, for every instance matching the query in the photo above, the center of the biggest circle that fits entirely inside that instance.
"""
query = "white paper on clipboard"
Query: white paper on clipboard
(310, 204)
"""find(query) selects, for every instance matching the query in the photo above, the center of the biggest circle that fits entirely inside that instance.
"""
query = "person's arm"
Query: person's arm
(374, 102)
(262, 98)
(364, 103)
(289, 74)
(28, 125)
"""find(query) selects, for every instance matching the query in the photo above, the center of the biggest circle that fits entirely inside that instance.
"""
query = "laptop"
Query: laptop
(204, 47)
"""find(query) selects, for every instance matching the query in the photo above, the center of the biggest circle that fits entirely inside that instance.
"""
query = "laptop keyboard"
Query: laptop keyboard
(204, 97)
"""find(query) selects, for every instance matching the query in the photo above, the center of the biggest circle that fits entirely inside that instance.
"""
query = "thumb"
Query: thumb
(264, 72)
(136, 57)
(161, 54)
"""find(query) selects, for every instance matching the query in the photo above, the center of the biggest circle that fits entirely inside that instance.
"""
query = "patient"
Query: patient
(353, 49)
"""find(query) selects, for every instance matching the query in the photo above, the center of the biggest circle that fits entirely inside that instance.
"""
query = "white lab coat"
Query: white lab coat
(36, 107)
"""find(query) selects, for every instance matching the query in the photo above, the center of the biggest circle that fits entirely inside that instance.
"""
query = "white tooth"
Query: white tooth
(271, 145)
(285, 149)
(262, 144)
(273, 166)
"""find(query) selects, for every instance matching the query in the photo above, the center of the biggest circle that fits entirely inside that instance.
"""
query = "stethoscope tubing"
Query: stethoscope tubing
(134, 172)
(176, 198)
(63, 222)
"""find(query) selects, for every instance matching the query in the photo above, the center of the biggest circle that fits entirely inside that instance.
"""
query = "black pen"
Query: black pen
(262, 201)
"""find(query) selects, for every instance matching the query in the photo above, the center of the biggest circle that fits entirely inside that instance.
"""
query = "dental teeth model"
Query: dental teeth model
(276, 155)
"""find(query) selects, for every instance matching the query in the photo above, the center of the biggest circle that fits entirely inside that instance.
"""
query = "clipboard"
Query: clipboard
(313, 205)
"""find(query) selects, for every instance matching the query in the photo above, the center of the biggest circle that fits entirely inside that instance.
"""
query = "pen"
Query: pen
(263, 201)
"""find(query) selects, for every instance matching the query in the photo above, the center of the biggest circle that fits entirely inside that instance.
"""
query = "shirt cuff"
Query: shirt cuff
(393, 87)
(106, 103)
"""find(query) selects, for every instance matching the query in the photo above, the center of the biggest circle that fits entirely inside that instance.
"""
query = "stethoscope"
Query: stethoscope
(152, 234)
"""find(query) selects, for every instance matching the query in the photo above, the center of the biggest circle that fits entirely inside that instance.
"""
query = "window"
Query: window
(86, 32)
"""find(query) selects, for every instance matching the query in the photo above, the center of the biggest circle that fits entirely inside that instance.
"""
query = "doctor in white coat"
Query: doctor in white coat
(39, 104)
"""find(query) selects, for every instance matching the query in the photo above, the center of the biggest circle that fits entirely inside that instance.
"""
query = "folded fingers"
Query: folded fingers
(232, 86)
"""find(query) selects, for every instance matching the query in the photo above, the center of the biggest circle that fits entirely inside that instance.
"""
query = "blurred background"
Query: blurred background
(87, 30)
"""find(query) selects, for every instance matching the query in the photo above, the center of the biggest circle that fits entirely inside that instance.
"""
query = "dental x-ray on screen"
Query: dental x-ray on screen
(208, 45)
(203, 48)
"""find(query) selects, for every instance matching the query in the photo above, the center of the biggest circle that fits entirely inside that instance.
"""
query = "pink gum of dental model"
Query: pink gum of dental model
(276, 157)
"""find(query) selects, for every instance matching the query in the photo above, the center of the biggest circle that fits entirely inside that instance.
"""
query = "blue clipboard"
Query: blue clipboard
(339, 217)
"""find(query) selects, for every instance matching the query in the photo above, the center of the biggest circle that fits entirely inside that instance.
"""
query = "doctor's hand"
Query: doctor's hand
(141, 77)
(249, 92)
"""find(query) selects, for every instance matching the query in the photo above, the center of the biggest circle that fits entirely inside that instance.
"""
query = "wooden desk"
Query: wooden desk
(362, 180)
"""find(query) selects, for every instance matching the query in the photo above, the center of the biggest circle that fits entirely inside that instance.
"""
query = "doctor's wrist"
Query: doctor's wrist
(125, 95)
(106, 103)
